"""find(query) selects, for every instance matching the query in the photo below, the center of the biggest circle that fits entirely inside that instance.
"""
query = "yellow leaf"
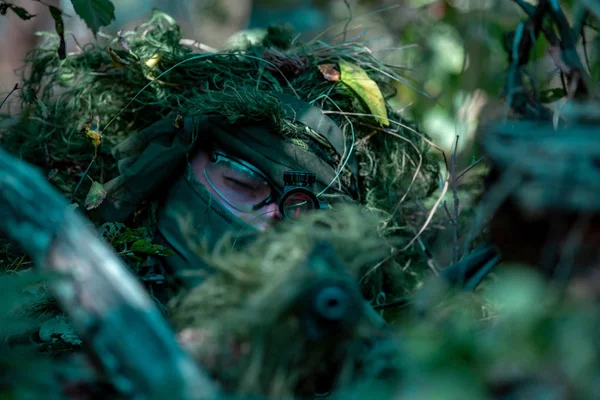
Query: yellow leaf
(153, 61)
(178, 122)
(116, 59)
(366, 88)
(92, 130)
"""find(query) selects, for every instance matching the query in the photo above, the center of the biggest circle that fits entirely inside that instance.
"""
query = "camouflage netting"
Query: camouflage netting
(128, 82)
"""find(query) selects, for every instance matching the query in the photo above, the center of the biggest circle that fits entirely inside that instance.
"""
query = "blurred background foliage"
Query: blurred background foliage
(514, 332)
(452, 50)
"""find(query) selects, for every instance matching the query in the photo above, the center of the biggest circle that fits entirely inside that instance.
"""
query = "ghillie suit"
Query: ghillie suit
(156, 100)
(286, 316)
(115, 91)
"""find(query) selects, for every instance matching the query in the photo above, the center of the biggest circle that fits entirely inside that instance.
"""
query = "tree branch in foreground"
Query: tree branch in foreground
(109, 308)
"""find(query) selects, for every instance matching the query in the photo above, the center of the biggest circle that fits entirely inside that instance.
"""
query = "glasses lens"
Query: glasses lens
(297, 204)
(236, 183)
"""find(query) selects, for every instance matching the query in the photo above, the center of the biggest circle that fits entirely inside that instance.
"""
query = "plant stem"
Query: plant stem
(8, 95)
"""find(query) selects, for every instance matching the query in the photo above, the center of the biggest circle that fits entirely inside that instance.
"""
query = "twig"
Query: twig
(470, 167)
(8, 95)
(568, 46)
(109, 308)
(197, 45)
(83, 176)
(454, 219)
(585, 50)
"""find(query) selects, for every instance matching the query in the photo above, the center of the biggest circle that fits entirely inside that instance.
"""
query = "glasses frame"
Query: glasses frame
(275, 194)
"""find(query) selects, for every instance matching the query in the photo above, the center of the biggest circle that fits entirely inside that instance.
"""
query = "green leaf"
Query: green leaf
(21, 12)
(551, 95)
(60, 30)
(95, 196)
(366, 88)
(145, 247)
(31, 98)
(95, 13)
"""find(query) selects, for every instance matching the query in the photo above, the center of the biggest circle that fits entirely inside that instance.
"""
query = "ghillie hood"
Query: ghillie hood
(147, 75)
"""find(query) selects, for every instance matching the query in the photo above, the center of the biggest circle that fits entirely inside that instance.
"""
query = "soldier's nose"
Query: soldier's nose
(272, 213)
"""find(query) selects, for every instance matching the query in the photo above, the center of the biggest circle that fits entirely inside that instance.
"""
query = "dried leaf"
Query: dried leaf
(123, 43)
(153, 61)
(92, 130)
(60, 30)
(117, 59)
(366, 88)
(95, 196)
(95, 13)
(329, 72)
(178, 122)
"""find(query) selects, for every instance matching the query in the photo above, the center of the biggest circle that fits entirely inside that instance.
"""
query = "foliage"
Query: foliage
(20, 11)
(95, 13)
(132, 243)
(520, 336)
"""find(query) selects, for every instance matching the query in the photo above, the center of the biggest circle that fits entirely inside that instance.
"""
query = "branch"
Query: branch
(454, 220)
(9, 93)
(109, 308)
(569, 48)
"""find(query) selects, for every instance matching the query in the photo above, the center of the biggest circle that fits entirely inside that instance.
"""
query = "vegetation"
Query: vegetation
(529, 331)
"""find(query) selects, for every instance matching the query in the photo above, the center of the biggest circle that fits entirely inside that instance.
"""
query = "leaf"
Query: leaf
(95, 196)
(178, 122)
(52, 173)
(95, 13)
(366, 88)
(551, 95)
(111, 230)
(329, 72)
(123, 43)
(145, 247)
(153, 61)
(31, 98)
(593, 6)
(92, 130)
(118, 58)
(60, 30)
(21, 12)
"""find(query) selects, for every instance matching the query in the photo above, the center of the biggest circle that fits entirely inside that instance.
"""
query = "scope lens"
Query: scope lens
(296, 204)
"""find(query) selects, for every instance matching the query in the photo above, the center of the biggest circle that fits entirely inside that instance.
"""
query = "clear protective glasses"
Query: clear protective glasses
(247, 189)
(240, 184)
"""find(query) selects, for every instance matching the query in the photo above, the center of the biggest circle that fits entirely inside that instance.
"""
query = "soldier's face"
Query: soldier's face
(237, 187)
